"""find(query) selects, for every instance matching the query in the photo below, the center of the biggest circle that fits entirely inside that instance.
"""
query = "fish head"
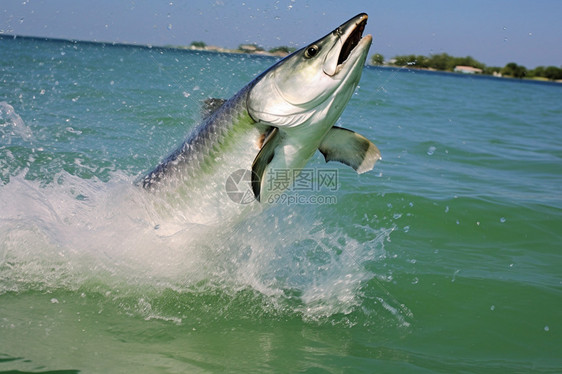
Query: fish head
(312, 80)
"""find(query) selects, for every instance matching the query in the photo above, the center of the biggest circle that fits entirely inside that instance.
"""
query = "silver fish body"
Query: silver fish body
(278, 121)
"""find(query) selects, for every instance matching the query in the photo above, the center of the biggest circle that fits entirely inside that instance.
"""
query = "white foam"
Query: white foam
(76, 232)
(12, 125)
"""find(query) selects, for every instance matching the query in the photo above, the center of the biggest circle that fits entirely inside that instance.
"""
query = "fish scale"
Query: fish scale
(205, 143)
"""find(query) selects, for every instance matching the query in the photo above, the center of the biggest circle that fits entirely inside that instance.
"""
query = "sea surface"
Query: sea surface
(446, 258)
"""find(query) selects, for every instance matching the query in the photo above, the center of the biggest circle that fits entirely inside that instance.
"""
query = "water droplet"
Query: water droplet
(455, 274)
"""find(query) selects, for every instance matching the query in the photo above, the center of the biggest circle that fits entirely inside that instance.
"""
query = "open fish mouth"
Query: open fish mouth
(352, 40)
(349, 45)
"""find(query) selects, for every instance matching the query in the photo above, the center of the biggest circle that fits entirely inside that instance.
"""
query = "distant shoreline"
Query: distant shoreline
(211, 49)
(458, 74)
(444, 62)
(262, 53)
(216, 49)
(405, 69)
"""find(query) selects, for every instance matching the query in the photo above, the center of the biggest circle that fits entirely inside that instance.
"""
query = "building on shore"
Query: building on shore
(467, 70)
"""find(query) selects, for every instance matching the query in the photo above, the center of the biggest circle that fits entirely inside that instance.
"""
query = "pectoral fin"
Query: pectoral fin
(350, 148)
(264, 157)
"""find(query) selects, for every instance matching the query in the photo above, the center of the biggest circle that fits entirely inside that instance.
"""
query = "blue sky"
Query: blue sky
(528, 32)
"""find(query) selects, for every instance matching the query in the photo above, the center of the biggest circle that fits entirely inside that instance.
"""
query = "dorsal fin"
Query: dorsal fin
(210, 106)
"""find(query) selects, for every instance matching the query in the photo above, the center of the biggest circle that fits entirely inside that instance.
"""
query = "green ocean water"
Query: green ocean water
(446, 258)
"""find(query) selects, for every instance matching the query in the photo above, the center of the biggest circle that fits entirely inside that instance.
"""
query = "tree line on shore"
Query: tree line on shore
(249, 48)
(445, 62)
(441, 62)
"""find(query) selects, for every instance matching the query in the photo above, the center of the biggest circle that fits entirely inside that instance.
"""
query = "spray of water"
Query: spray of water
(114, 238)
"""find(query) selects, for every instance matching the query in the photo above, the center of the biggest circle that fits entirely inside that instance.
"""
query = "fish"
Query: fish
(278, 121)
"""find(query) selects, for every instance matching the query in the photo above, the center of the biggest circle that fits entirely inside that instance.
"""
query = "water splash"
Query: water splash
(105, 237)
(12, 125)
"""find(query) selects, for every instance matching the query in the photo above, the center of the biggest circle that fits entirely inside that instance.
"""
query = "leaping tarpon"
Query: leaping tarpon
(279, 120)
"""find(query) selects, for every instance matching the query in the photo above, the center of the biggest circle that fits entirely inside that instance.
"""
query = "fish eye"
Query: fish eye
(311, 51)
